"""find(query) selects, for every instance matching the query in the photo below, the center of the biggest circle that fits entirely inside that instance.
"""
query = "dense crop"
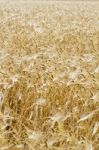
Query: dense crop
(49, 75)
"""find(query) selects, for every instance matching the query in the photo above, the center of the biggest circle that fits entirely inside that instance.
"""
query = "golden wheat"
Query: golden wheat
(49, 75)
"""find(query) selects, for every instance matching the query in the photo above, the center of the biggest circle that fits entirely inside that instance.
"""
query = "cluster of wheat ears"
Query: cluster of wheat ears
(49, 75)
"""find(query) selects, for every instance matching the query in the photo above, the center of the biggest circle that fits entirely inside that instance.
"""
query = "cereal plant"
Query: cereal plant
(49, 75)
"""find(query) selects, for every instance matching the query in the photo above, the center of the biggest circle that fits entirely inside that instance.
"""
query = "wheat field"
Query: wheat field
(49, 75)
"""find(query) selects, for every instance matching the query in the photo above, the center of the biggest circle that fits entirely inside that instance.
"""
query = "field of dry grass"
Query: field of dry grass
(49, 75)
